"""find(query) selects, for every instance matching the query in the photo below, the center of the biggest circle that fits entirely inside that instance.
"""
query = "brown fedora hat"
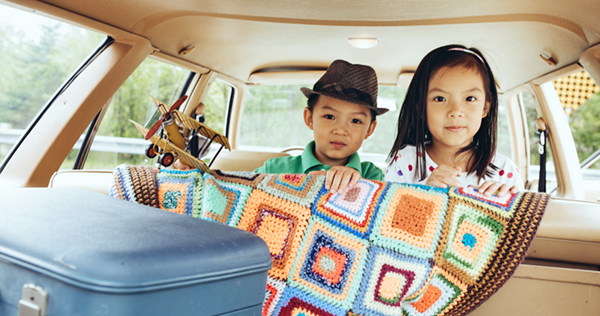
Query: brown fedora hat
(348, 82)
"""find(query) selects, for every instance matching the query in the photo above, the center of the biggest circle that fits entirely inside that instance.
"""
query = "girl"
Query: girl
(447, 127)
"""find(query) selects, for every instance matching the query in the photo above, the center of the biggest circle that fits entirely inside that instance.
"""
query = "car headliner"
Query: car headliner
(238, 38)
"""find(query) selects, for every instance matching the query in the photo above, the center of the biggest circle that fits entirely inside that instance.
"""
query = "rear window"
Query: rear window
(272, 120)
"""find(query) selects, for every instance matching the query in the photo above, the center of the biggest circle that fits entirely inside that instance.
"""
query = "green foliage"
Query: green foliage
(132, 101)
(585, 126)
(32, 71)
(216, 102)
(273, 117)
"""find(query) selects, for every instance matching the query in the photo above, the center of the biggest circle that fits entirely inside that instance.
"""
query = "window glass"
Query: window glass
(504, 142)
(385, 133)
(37, 55)
(580, 98)
(118, 141)
(528, 103)
(273, 119)
(216, 104)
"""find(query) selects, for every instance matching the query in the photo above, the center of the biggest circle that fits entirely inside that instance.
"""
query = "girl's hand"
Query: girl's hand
(489, 187)
(339, 177)
(444, 176)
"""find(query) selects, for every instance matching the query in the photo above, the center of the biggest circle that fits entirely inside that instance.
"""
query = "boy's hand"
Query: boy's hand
(339, 177)
(489, 187)
(444, 176)
(181, 166)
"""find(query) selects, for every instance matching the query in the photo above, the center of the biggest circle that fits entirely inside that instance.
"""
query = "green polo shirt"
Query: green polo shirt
(307, 162)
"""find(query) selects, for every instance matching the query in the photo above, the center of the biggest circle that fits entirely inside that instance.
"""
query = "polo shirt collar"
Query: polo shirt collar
(309, 160)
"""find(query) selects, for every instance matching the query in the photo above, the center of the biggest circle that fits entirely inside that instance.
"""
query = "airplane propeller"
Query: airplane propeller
(156, 125)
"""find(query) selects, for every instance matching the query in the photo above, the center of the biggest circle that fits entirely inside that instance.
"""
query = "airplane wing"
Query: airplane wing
(191, 161)
(161, 106)
(209, 133)
(155, 139)
(188, 122)
(185, 121)
(185, 157)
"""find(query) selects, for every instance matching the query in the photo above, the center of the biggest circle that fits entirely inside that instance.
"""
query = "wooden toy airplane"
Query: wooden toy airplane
(172, 144)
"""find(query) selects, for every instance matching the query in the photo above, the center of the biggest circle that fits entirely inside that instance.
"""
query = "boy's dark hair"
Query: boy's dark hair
(312, 101)
(412, 123)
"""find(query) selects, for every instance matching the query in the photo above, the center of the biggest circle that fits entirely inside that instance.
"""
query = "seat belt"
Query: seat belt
(541, 128)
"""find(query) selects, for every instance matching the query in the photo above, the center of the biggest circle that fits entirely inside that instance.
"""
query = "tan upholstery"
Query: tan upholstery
(93, 180)
(239, 160)
(100, 180)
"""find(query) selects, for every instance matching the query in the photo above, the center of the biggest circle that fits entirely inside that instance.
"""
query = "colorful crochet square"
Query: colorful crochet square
(246, 178)
(354, 210)
(469, 239)
(280, 223)
(389, 278)
(328, 263)
(410, 220)
(297, 303)
(179, 191)
(273, 294)
(297, 188)
(503, 207)
(224, 201)
(441, 291)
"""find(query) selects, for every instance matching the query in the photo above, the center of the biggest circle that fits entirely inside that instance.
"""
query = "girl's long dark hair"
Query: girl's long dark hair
(412, 123)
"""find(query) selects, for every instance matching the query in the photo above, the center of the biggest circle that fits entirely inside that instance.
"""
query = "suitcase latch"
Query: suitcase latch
(34, 301)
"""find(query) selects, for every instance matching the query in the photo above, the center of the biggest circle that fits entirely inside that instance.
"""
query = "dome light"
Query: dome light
(364, 42)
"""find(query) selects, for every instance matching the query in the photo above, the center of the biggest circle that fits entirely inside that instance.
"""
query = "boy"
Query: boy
(341, 113)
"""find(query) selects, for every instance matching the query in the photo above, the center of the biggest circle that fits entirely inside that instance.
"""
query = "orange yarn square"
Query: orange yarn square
(413, 217)
(391, 286)
(431, 295)
(266, 216)
(412, 214)
(275, 231)
(337, 260)
(172, 197)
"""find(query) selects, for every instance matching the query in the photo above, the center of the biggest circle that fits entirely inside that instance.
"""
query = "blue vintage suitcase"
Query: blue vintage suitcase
(75, 252)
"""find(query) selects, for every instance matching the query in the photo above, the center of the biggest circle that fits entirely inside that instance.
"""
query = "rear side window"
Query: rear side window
(118, 141)
(37, 55)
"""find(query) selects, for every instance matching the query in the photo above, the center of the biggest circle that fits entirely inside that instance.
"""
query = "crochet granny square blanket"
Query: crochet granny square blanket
(379, 248)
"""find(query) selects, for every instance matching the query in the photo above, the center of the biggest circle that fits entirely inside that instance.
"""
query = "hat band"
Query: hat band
(349, 92)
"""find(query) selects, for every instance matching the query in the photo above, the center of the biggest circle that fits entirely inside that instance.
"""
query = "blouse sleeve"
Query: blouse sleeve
(394, 174)
(509, 173)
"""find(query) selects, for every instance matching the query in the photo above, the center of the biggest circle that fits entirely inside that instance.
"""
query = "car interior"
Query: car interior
(235, 53)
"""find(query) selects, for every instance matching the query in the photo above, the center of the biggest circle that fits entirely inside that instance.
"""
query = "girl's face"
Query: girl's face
(456, 104)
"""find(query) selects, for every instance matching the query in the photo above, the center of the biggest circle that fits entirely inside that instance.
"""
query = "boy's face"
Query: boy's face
(339, 128)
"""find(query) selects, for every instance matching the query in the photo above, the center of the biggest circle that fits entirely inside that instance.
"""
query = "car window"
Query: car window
(216, 105)
(272, 120)
(527, 101)
(37, 55)
(504, 145)
(117, 140)
(580, 98)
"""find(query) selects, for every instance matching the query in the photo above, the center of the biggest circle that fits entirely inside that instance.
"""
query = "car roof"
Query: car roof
(238, 38)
